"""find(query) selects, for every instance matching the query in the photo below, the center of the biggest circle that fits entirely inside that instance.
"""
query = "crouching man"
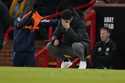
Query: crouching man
(70, 38)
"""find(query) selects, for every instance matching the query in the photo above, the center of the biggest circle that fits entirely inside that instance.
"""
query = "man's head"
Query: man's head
(67, 16)
(104, 34)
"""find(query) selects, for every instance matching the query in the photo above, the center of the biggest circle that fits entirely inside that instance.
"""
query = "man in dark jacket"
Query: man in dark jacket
(23, 40)
(23, 45)
(104, 50)
(24, 37)
(74, 42)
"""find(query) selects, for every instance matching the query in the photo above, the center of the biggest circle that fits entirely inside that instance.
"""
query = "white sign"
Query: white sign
(109, 22)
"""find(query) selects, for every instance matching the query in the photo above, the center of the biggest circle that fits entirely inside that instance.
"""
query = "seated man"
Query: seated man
(75, 39)
(104, 50)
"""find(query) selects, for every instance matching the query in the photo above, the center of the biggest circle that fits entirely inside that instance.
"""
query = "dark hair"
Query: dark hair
(67, 14)
(106, 28)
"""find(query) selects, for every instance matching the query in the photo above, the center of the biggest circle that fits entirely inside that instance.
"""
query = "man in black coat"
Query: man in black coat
(104, 51)
(70, 38)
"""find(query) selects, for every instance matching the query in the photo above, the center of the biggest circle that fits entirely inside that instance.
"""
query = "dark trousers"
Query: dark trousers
(23, 59)
(102, 62)
(77, 49)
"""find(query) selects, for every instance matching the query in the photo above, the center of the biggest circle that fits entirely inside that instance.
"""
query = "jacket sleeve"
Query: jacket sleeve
(113, 49)
(58, 31)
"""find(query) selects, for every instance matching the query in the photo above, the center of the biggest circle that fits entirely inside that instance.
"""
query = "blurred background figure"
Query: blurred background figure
(23, 37)
(4, 19)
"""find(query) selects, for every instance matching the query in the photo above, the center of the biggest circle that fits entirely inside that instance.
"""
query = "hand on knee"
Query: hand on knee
(56, 42)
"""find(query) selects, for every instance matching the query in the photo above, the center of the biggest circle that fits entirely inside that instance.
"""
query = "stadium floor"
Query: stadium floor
(48, 75)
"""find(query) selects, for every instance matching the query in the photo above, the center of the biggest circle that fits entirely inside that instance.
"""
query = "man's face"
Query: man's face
(66, 23)
(104, 35)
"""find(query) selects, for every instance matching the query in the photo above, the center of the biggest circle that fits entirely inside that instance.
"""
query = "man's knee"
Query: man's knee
(77, 46)
(52, 49)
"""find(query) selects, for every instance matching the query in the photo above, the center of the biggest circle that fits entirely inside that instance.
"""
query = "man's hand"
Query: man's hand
(65, 23)
(53, 38)
(56, 42)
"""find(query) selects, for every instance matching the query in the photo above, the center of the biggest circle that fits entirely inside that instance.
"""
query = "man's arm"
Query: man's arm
(58, 31)
(113, 49)
(56, 36)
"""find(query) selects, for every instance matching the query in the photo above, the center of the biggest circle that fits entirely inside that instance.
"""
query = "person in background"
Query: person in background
(104, 50)
(23, 45)
(4, 20)
(23, 38)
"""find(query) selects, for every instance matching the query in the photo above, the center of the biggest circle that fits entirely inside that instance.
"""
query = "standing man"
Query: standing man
(104, 50)
(23, 40)
(74, 42)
